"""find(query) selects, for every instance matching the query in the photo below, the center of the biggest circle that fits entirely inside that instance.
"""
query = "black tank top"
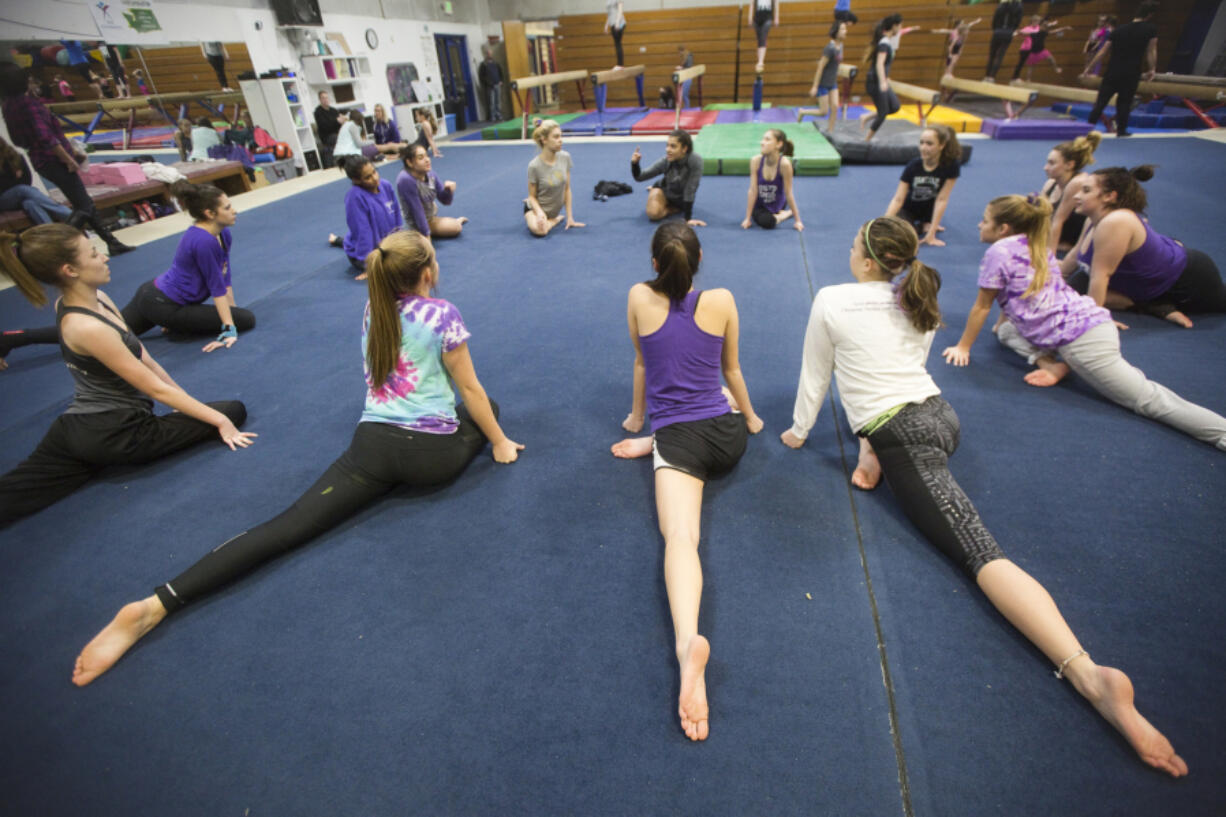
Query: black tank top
(95, 387)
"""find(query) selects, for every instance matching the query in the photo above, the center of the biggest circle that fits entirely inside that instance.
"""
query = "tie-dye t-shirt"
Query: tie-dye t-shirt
(417, 394)
(1055, 315)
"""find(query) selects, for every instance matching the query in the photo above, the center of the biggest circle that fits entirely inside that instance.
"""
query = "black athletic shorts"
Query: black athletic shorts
(701, 448)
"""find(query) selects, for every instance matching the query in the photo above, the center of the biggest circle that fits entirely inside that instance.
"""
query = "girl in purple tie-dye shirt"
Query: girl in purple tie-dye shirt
(1052, 326)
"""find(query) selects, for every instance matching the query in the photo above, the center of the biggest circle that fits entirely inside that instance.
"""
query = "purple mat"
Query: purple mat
(749, 115)
(1034, 128)
(616, 120)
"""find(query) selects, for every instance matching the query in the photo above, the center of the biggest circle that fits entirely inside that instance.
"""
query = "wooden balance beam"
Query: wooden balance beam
(526, 83)
(847, 73)
(1186, 91)
(1008, 94)
(680, 77)
(919, 95)
(601, 80)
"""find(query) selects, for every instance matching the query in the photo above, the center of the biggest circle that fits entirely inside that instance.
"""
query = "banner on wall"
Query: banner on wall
(128, 22)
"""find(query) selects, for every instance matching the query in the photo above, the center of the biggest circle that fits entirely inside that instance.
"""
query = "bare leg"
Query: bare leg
(761, 60)
(657, 205)
(679, 507)
(1049, 373)
(1030, 609)
(1115, 300)
(129, 626)
(782, 216)
(447, 227)
(1175, 316)
(867, 475)
(540, 226)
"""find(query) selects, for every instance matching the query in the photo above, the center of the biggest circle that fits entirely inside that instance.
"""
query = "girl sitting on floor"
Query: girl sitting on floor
(874, 336)
(372, 212)
(1123, 263)
(770, 184)
(682, 171)
(1057, 329)
(683, 339)
(549, 182)
(115, 380)
(387, 135)
(420, 194)
(410, 433)
(927, 182)
(1063, 164)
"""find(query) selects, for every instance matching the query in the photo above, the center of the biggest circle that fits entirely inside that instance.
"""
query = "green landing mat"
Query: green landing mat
(732, 106)
(727, 149)
(511, 128)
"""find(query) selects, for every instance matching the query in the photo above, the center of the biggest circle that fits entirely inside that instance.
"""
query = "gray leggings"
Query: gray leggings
(1095, 357)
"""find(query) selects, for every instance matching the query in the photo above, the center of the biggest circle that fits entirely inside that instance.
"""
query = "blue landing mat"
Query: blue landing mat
(502, 646)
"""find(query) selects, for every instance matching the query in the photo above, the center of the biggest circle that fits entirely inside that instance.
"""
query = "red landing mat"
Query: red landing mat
(661, 122)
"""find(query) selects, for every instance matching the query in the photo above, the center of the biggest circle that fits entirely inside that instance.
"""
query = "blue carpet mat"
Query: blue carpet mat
(501, 645)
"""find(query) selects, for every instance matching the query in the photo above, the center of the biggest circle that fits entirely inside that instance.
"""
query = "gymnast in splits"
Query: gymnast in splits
(410, 433)
(115, 380)
(874, 335)
(1056, 328)
(683, 339)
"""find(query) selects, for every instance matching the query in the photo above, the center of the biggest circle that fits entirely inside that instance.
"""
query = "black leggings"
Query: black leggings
(379, 458)
(886, 102)
(1125, 90)
(1022, 56)
(913, 448)
(996, 51)
(151, 307)
(78, 445)
(764, 218)
(617, 43)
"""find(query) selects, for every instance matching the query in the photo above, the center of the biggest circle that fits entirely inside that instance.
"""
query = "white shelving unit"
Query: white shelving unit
(342, 76)
(279, 105)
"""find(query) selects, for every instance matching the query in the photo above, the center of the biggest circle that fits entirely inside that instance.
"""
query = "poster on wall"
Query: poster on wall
(400, 79)
(128, 22)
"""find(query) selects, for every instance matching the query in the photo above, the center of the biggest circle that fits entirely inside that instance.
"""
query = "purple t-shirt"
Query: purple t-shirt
(417, 394)
(683, 366)
(1053, 316)
(201, 268)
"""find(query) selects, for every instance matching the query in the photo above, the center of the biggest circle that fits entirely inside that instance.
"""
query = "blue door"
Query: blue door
(456, 76)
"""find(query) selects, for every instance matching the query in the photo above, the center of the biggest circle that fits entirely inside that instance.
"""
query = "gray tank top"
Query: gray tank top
(95, 387)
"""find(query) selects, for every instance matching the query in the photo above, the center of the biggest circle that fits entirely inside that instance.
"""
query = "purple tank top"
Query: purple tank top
(770, 194)
(1149, 270)
(683, 367)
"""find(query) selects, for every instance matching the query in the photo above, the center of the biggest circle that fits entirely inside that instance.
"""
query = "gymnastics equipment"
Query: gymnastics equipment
(520, 84)
(601, 80)
(683, 75)
(1186, 91)
(1007, 94)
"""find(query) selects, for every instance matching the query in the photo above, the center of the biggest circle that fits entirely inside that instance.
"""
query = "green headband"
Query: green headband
(869, 246)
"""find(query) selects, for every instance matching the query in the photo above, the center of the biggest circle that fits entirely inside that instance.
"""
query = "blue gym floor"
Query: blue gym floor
(501, 646)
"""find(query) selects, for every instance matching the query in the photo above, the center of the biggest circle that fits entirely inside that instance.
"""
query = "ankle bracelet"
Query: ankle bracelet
(1060, 671)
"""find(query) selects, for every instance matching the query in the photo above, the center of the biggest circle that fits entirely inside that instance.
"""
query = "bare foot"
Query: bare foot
(1113, 698)
(867, 475)
(361, 276)
(1049, 373)
(632, 447)
(463, 219)
(334, 240)
(1179, 318)
(692, 704)
(129, 626)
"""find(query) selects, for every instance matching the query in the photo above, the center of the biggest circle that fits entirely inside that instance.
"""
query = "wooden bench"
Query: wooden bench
(230, 177)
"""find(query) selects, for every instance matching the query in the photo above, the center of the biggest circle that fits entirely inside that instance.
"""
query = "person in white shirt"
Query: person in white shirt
(874, 336)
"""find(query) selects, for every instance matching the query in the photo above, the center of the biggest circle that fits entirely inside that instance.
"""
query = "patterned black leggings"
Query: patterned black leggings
(914, 448)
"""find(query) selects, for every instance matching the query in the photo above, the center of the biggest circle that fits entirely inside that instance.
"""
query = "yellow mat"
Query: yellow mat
(958, 120)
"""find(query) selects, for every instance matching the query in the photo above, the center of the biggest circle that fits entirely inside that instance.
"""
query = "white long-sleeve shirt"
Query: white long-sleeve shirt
(858, 332)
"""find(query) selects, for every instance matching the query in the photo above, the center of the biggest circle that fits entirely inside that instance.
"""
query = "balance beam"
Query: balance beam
(681, 76)
(1192, 79)
(1186, 91)
(1006, 93)
(920, 95)
(601, 80)
(536, 81)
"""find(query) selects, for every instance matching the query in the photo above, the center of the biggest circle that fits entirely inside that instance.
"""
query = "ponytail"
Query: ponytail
(786, 148)
(1125, 184)
(1029, 216)
(1080, 151)
(676, 251)
(873, 39)
(951, 151)
(36, 256)
(393, 270)
(892, 244)
(197, 198)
